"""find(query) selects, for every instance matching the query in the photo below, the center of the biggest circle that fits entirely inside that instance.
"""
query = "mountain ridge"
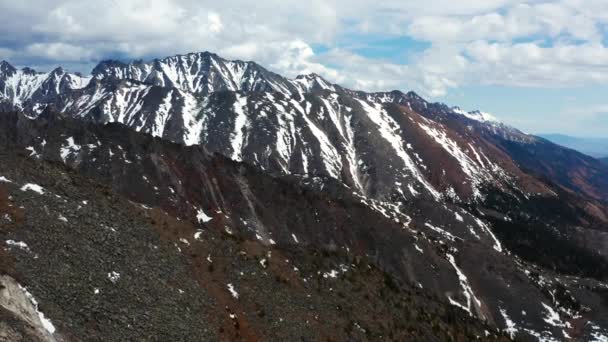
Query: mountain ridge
(594, 147)
(179, 98)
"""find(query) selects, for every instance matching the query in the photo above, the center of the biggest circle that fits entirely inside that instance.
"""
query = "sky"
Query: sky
(539, 65)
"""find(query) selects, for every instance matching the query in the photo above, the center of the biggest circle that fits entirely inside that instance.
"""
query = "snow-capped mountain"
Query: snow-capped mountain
(386, 145)
(476, 115)
(463, 182)
(316, 134)
(204, 73)
(377, 143)
(26, 87)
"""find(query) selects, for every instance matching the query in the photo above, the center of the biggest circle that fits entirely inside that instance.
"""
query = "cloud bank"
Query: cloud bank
(538, 44)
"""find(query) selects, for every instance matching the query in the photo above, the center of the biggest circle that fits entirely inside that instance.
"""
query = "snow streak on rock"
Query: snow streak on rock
(472, 303)
(389, 130)
(240, 122)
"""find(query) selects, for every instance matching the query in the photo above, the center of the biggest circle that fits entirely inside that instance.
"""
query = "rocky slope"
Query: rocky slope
(98, 266)
(198, 201)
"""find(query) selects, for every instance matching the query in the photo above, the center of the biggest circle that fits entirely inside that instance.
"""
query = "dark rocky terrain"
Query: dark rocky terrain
(331, 214)
(201, 204)
(106, 268)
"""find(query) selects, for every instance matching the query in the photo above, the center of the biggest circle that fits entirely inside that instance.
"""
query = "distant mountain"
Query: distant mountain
(595, 147)
(509, 227)
(604, 160)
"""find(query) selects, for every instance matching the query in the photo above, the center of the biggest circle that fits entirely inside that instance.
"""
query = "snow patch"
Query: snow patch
(114, 276)
(240, 122)
(476, 115)
(33, 187)
(69, 149)
(552, 317)
(458, 217)
(233, 291)
(467, 290)
(33, 152)
(331, 274)
(19, 244)
(511, 328)
(448, 235)
(482, 225)
(202, 217)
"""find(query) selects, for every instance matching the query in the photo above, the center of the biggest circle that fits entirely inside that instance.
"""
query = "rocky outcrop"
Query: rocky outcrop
(20, 319)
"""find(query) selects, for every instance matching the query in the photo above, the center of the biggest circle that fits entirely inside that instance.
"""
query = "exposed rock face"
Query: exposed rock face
(20, 319)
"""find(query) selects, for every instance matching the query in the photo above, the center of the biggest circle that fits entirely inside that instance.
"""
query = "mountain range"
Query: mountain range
(453, 209)
(595, 147)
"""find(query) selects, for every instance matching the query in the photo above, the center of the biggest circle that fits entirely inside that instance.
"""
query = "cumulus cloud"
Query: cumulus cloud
(539, 43)
(547, 20)
(547, 44)
(60, 51)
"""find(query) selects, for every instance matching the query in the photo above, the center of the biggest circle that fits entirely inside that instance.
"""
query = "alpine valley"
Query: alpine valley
(194, 198)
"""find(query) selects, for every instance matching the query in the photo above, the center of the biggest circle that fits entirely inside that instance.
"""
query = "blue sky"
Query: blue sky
(540, 65)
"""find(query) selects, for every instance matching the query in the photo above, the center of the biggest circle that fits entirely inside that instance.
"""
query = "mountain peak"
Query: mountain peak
(110, 63)
(205, 53)
(29, 71)
(412, 95)
(314, 81)
(106, 68)
(311, 75)
(6, 67)
(482, 116)
(201, 54)
(58, 71)
(476, 115)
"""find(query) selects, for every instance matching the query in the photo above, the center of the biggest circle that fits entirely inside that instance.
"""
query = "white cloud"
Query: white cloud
(60, 51)
(215, 22)
(539, 43)
(547, 20)
(6, 53)
(297, 57)
(548, 44)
